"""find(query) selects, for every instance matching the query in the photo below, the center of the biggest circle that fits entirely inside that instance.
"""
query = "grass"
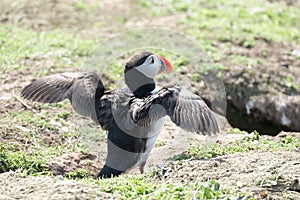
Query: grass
(233, 21)
(78, 174)
(251, 142)
(243, 60)
(295, 53)
(28, 147)
(33, 120)
(288, 82)
(13, 159)
(64, 49)
(145, 187)
(229, 22)
(160, 143)
(149, 187)
(31, 159)
(31, 139)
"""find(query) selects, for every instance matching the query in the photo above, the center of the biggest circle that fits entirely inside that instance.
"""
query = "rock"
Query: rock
(281, 109)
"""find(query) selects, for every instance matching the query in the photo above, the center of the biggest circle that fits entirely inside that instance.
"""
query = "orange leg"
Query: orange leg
(142, 167)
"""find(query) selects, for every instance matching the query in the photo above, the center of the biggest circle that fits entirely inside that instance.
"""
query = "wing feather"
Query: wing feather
(55, 87)
(84, 90)
(185, 109)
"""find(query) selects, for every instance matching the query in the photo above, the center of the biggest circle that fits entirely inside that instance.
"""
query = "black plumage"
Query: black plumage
(133, 115)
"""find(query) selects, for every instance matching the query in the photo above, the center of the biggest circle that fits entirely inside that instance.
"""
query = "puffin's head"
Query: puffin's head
(148, 64)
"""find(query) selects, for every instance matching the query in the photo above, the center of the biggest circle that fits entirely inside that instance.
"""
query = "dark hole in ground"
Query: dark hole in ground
(240, 119)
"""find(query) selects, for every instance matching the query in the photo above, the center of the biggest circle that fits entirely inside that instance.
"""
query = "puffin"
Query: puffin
(133, 115)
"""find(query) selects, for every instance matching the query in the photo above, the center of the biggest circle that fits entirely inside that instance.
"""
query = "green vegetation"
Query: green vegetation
(31, 160)
(32, 137)
(145, 187)
(233, 21)
(62, 48)
(78, 174)
(160, 143)
(31, 145)
(288, 82)
(243, 60)
(80, 5)
(250, 142)
(13, 159)
(30, 119)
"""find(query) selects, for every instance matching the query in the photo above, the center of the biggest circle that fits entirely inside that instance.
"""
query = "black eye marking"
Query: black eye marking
(152, 61)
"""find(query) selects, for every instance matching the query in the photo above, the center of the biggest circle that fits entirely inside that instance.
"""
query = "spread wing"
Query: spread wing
(84, 90)
(50, 89)
(185, 109)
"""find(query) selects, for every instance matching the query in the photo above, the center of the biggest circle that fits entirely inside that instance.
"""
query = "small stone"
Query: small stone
(65, 129)
(255, 142)
(239, 184)
(54, 123)
(175, 162)
(22, 128)
(5, 98)
(60, 177)
(273, 182)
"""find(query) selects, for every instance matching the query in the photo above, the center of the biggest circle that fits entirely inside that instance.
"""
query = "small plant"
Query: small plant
(160, 143)
(80, 5)
(18, 160)
(63, 115)
(222, 67)
(78, 174)
(288, 82)
(144, 187)
(253, 141)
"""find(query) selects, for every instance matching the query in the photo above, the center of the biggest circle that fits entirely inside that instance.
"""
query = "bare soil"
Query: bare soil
(273, 175)
(13, 186)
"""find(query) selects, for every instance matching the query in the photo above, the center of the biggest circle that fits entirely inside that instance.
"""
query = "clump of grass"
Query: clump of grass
(222, 67)
(79, 174)
(29, 119)
(80, 5)
(251, 142)
(288, 82)
(144, 187)
(33, 162)
(160, 143)
(18, 160)
(63, 115)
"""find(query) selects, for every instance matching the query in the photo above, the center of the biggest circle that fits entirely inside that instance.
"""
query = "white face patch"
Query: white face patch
(150, 67)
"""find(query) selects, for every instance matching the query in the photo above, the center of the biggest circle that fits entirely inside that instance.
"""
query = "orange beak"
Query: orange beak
(166, 65)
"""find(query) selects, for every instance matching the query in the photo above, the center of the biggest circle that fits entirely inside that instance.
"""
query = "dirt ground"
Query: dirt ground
(272, 175)
(255, 171)
(252, 172)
